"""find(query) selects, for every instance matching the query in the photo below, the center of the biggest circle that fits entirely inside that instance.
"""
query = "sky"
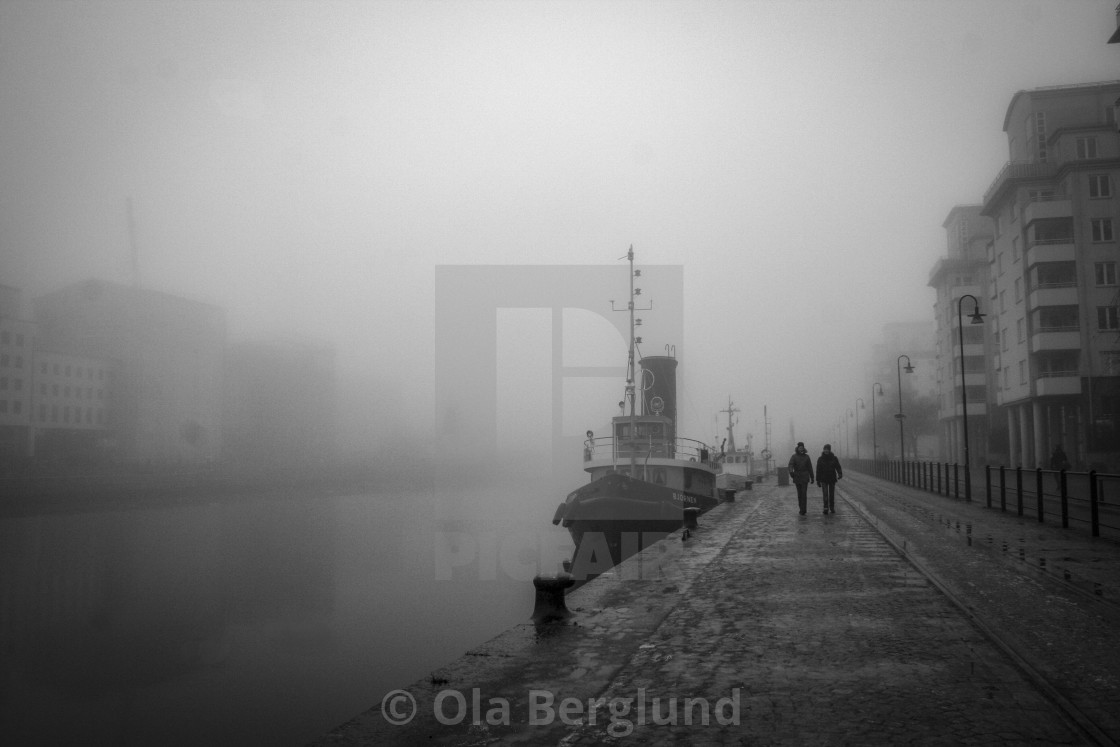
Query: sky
(308, 166)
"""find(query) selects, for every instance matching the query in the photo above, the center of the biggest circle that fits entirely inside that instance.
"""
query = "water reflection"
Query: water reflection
(263, 621)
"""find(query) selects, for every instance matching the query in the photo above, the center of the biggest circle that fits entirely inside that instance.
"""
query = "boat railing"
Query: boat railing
(685, 449)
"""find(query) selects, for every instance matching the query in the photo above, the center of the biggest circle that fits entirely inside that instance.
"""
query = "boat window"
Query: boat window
(648, 430)
(623, 430)
(659, 476)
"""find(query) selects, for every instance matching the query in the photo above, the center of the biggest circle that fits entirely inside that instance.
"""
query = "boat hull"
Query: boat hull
(616, 516)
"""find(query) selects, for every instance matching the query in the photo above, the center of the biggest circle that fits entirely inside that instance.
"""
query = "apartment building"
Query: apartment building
(1052, 292)
(960, 280)
(167, 355)
(16, 337)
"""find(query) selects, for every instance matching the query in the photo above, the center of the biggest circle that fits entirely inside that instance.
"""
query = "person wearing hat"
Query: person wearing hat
(828, 472)
(801, 472)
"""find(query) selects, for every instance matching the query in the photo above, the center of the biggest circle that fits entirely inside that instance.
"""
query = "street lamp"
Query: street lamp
(862, 406)
(874, 437)
(900, 416)
(848, 434)
(976, 318)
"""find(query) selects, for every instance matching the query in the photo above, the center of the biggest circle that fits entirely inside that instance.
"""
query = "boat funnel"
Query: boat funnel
(659, 386)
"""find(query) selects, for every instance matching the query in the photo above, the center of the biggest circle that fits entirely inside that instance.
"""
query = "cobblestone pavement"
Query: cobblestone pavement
(797, 630)
(1051, 595)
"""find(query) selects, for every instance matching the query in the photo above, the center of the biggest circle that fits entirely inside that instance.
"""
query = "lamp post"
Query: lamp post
(862, 406)
(848, 434)
(977, 318)
(874, 436)
(901, 416)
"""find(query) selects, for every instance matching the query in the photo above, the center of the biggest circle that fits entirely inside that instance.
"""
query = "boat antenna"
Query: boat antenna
(631, 364)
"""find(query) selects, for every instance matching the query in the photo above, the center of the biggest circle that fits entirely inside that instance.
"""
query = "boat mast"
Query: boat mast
(731, 410)
(632, 364)
(631, 372)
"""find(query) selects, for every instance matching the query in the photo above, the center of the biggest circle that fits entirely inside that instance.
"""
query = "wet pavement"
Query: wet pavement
(903, 618)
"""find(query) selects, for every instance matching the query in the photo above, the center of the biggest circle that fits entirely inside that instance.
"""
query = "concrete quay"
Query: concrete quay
(903, 618)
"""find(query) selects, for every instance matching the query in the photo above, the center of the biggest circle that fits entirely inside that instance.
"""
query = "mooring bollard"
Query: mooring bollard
(549, 605)
(690, 515)
(728, 495)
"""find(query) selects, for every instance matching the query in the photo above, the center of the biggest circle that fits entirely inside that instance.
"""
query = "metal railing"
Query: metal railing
(686, 449)
(1079, 500)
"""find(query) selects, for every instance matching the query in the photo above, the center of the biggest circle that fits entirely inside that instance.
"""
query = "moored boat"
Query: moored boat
(736, 464)
(643, 475)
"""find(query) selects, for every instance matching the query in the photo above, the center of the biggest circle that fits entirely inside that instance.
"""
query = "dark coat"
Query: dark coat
(801, 468)
(828, 468)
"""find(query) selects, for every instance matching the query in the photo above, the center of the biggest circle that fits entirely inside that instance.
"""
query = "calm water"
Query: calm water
(257, 622)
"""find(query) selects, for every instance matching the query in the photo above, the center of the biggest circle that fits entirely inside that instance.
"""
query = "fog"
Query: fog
(307, 166)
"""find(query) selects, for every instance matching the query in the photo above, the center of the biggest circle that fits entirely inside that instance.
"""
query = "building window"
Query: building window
(1106, 273)
(1021, 324)
(1108, 318)
(1110, 362)
(1015, 249)
(1099, 186)
(1086, 147)
(1018, 289)
(1022, 372)
(1002, 301)
(1003, 337)
(1102, 229)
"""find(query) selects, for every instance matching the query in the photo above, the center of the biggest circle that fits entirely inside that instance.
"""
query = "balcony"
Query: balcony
(1013, 170)
(1054, 207)
(1062, 295)
(1051, 250)
(974, 409)
(1056, 338)
(1058, 383)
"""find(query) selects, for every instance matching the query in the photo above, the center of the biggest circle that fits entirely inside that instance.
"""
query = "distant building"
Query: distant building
(17, 334)
(1052, 291)
(71, 407)
(166, 367)
(279, 403)
(917, 342)
(962, 272)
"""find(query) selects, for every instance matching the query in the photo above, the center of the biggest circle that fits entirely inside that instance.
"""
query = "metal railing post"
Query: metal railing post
(939, 478)
(1065, 501)
(956, 481)
(1002, 488)
(988, 484)
(1094, 516)
(1038, 493)
(1019, 490)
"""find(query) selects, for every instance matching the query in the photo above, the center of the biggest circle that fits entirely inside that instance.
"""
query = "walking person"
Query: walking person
(828, 472)
(801, 472)
(1058, 462)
